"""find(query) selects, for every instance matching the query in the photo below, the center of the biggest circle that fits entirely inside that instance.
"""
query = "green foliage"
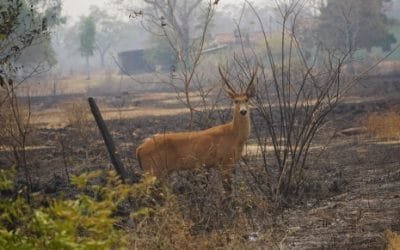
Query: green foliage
(85, 222)
(5, 180)
(87, 35)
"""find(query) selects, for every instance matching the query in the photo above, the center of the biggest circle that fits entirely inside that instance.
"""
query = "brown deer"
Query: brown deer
(220, 146)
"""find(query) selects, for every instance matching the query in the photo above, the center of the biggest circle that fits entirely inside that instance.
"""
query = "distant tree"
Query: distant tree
(87, 36)
(180, 21)
(356, 24)
(109, 31)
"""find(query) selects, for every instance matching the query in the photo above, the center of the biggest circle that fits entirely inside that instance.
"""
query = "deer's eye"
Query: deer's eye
(236, 101)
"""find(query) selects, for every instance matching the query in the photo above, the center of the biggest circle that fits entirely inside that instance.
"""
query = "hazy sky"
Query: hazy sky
(76, 8)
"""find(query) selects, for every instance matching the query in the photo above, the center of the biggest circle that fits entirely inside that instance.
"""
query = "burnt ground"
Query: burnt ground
(352, 190)
(363, 199)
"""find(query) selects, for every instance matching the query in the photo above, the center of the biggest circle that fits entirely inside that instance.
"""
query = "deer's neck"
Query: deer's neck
(241, 126)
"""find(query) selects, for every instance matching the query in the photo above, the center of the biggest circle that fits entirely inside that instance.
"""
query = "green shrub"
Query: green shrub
(85, 222)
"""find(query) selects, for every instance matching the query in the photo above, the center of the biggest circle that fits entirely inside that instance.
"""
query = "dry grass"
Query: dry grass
(393, 240)
(76, 113)
(195, 215)
(161, 228)
(166, 228)
(384, 126)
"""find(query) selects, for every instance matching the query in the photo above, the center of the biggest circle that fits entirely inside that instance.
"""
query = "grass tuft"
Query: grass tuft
(384, 126)
(393, 240)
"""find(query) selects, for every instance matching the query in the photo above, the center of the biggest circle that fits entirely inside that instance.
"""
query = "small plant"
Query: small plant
(77, 114)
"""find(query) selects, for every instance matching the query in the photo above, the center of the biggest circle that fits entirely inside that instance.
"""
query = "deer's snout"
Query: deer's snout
(243, 111)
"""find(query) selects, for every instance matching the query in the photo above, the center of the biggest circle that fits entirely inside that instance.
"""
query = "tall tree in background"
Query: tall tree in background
(178, 20)
(109, 30)
(87, 36)
(356, 24)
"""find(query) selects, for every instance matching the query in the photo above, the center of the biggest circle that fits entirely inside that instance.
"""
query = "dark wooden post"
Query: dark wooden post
(114, 156)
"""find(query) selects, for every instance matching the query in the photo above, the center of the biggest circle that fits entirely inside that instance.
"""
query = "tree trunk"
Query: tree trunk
(87, 68)
(102, 55)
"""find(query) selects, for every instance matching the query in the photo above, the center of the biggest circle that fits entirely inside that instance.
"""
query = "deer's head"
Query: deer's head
(240, 99)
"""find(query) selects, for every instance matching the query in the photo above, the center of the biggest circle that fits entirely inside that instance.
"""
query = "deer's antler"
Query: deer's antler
(231, 89)
(250, 90)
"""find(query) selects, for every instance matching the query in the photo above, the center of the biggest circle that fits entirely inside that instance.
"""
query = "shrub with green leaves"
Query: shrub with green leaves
(85, 222)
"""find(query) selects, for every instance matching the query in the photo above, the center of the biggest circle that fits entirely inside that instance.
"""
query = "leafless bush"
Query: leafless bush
(295, 94)
(16, 131)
